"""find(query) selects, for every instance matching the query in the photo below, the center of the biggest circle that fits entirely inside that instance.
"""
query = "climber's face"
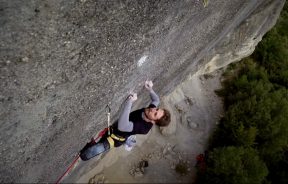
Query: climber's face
(154, 114)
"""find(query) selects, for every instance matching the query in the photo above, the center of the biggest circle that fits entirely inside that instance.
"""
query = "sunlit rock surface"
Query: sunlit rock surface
(63, 61)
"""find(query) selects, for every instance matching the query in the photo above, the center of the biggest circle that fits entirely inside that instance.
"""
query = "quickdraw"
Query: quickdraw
(108, 111)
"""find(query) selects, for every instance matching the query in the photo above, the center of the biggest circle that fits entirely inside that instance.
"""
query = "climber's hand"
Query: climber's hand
(148, 85)
(133, 96)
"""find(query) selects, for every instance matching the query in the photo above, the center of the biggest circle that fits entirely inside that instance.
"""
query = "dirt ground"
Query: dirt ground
(170, 154)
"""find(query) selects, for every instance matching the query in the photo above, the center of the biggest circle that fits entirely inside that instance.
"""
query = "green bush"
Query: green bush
(235, 165)
(272, 51)
(253, 132)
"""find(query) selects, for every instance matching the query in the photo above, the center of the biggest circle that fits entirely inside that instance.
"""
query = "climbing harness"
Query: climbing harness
(111, 137)
(93, 141)
(78, 157)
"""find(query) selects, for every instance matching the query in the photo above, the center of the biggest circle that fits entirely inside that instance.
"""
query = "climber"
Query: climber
(136, 122)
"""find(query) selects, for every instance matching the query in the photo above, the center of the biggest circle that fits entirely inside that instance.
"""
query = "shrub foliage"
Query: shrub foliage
(250, 143)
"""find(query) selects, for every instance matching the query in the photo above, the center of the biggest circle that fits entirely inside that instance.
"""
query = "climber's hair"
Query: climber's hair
(165, 119)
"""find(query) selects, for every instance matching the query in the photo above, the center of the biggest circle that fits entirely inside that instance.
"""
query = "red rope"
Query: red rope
(78, 156)
(101, 133)
(68, 169)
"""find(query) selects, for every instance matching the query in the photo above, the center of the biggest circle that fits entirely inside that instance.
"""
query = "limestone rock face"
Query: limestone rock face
(63, 61)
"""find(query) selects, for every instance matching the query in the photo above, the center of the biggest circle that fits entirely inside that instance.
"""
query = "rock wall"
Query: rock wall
(63, 61)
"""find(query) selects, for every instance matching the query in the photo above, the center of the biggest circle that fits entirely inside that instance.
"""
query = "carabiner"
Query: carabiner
(107, 109)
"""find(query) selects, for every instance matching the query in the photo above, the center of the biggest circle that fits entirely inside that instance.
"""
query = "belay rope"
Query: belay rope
(108, 111)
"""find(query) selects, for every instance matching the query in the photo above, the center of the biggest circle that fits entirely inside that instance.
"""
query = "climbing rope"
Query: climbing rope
(68, 169)
(108, 111)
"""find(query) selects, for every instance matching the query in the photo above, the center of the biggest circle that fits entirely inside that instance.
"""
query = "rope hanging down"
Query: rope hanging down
(108, 111)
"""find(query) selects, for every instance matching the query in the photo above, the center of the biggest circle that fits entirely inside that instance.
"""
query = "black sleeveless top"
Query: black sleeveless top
(140, 126)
